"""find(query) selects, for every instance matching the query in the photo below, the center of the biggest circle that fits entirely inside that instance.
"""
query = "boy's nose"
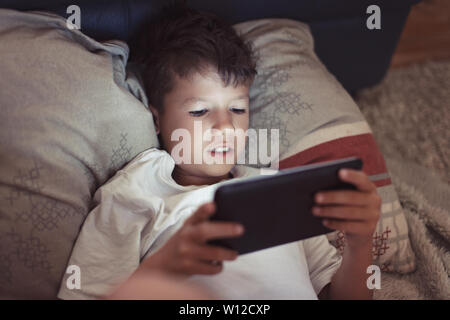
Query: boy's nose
(223, 122)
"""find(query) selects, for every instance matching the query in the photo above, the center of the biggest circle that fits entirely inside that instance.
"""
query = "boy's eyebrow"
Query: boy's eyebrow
(242, 97)
(192, 100)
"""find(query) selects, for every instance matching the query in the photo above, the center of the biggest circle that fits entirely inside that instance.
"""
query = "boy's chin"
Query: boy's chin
(216, 170)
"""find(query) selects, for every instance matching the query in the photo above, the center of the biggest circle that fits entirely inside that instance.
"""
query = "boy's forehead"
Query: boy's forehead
(205, 99)
(206, 87)
(207, 77)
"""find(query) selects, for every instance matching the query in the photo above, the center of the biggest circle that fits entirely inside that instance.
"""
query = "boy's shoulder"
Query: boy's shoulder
(146, 156)
(137, 174)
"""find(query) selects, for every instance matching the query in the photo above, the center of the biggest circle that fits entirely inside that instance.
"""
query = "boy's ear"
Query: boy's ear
(155, 114)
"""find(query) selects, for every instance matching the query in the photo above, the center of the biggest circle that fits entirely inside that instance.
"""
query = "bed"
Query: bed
(68, 104)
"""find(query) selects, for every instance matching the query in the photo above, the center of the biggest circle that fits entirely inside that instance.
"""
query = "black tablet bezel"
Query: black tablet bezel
(248, 202)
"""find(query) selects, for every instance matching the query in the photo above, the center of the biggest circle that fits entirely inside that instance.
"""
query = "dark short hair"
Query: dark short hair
(183, 41)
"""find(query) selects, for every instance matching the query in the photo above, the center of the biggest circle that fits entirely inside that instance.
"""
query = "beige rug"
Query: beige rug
(409, 113)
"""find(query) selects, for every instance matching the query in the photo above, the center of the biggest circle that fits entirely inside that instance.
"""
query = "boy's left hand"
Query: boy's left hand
(355, 212)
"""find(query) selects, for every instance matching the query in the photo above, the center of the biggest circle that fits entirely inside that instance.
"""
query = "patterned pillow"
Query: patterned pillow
(318, 121)
(68, 123)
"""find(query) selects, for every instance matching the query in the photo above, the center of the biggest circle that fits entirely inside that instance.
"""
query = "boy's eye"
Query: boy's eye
(198, 113)
(238, 110)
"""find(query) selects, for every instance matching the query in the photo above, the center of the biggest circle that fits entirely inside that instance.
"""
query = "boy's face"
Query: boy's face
(204, 99)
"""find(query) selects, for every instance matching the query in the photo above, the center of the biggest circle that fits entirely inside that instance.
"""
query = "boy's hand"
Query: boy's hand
(186, 252)
(355, 212)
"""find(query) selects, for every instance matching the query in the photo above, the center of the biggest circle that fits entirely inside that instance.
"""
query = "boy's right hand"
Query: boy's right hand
(187, 251)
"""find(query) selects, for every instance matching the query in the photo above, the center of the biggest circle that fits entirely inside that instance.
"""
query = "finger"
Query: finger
(213, 253)
(216, 230)
(342, 197)
(203, 213)
(202, 267)
(342, 212)
(350, 227)
(358, 178)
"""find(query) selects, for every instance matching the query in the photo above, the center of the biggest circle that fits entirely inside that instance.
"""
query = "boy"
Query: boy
(153, 214)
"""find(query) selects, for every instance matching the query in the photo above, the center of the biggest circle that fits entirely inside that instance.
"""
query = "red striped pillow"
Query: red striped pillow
(390, 241)
(318, 121)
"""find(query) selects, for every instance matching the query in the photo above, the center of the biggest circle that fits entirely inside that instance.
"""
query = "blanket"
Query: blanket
(425, 198)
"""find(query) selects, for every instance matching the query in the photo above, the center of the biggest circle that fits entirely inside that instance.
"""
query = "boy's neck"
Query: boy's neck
(185, 179)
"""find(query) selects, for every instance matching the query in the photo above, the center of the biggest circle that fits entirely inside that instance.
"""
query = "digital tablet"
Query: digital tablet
(276, 209)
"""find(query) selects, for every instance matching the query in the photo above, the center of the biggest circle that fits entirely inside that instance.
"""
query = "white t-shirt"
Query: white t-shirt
(141, 207)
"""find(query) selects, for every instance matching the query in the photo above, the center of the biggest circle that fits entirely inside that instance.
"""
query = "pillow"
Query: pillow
(318, 121)
(68, 123)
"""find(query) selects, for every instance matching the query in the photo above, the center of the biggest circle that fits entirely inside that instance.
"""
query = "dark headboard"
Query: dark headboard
(357, 56)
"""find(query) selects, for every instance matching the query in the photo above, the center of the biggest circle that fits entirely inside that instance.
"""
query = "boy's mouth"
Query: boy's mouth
(221, 150)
